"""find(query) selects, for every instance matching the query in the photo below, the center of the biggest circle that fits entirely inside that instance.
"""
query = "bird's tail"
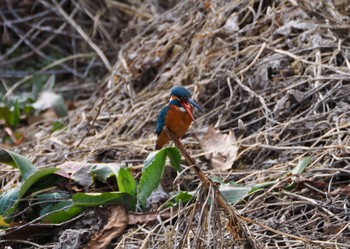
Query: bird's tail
(162, 140)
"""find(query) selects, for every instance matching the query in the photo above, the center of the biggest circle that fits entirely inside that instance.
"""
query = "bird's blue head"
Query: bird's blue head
(184, 96)
(180, 92)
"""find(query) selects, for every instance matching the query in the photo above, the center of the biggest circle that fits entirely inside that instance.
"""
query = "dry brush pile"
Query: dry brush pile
(274, 73)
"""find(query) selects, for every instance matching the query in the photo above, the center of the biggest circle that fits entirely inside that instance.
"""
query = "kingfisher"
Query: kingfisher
(176, 116)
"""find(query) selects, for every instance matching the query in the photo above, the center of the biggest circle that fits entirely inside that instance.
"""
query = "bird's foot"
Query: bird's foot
(178, 142)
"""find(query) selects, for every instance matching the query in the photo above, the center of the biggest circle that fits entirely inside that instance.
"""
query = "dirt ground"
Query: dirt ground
(272, 78)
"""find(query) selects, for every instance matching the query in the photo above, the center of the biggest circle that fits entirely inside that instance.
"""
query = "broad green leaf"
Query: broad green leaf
(127, 184)
(175, 157)
(263, 185)
(54, 196)
(104, 171)
(235, 194)
(151, 175)
(153, 171)
(65, 211)
(151, 158)
(302, 164)
(216, 179)
(69, 209)
(32, 179)
(25, 167)
(182, 197)
(50, 200)
(97, 199)
(8, 199)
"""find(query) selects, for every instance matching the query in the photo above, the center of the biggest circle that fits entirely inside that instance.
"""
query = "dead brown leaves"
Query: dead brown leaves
(220, 148)
(116, 225)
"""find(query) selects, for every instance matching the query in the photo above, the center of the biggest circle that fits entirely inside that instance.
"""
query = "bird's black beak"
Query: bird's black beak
(195, 104)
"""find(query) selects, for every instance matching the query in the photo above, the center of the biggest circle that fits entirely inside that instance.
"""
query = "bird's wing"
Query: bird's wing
(161, 119)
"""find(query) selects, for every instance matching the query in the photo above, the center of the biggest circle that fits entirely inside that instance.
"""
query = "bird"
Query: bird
(176, 116)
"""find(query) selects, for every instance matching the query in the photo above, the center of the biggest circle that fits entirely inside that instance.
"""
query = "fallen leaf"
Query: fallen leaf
(342, 190)
(219, 148)
(142, 218)
(116, 225)
(85, 173)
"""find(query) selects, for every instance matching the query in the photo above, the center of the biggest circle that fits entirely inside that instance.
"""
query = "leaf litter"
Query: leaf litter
(219, 148)
(274, 73)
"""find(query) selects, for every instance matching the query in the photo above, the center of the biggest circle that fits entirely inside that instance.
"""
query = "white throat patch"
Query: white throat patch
(182, 109)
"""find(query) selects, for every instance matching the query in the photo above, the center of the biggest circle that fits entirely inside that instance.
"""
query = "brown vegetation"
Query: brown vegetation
(275, 73)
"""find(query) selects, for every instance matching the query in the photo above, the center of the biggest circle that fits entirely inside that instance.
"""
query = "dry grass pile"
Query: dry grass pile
(276, 73)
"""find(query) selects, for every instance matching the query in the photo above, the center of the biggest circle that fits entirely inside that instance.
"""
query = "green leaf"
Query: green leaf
(65, 211)
(127, 184)
(104, 171)
(5, 113)
(10, 113)
(8, 198)
(97, 199)
(32, 179)
(153, 171)
(151, 175)
(25, 167)
(55, 126)
(57, 196)
(263, 185)
(48, 201)
(235, 194)
(15, 115)
(182, 197)
(175, 157)
(302, 164)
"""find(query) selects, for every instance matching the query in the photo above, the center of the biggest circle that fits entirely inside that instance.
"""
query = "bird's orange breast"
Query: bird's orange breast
(176, 121)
